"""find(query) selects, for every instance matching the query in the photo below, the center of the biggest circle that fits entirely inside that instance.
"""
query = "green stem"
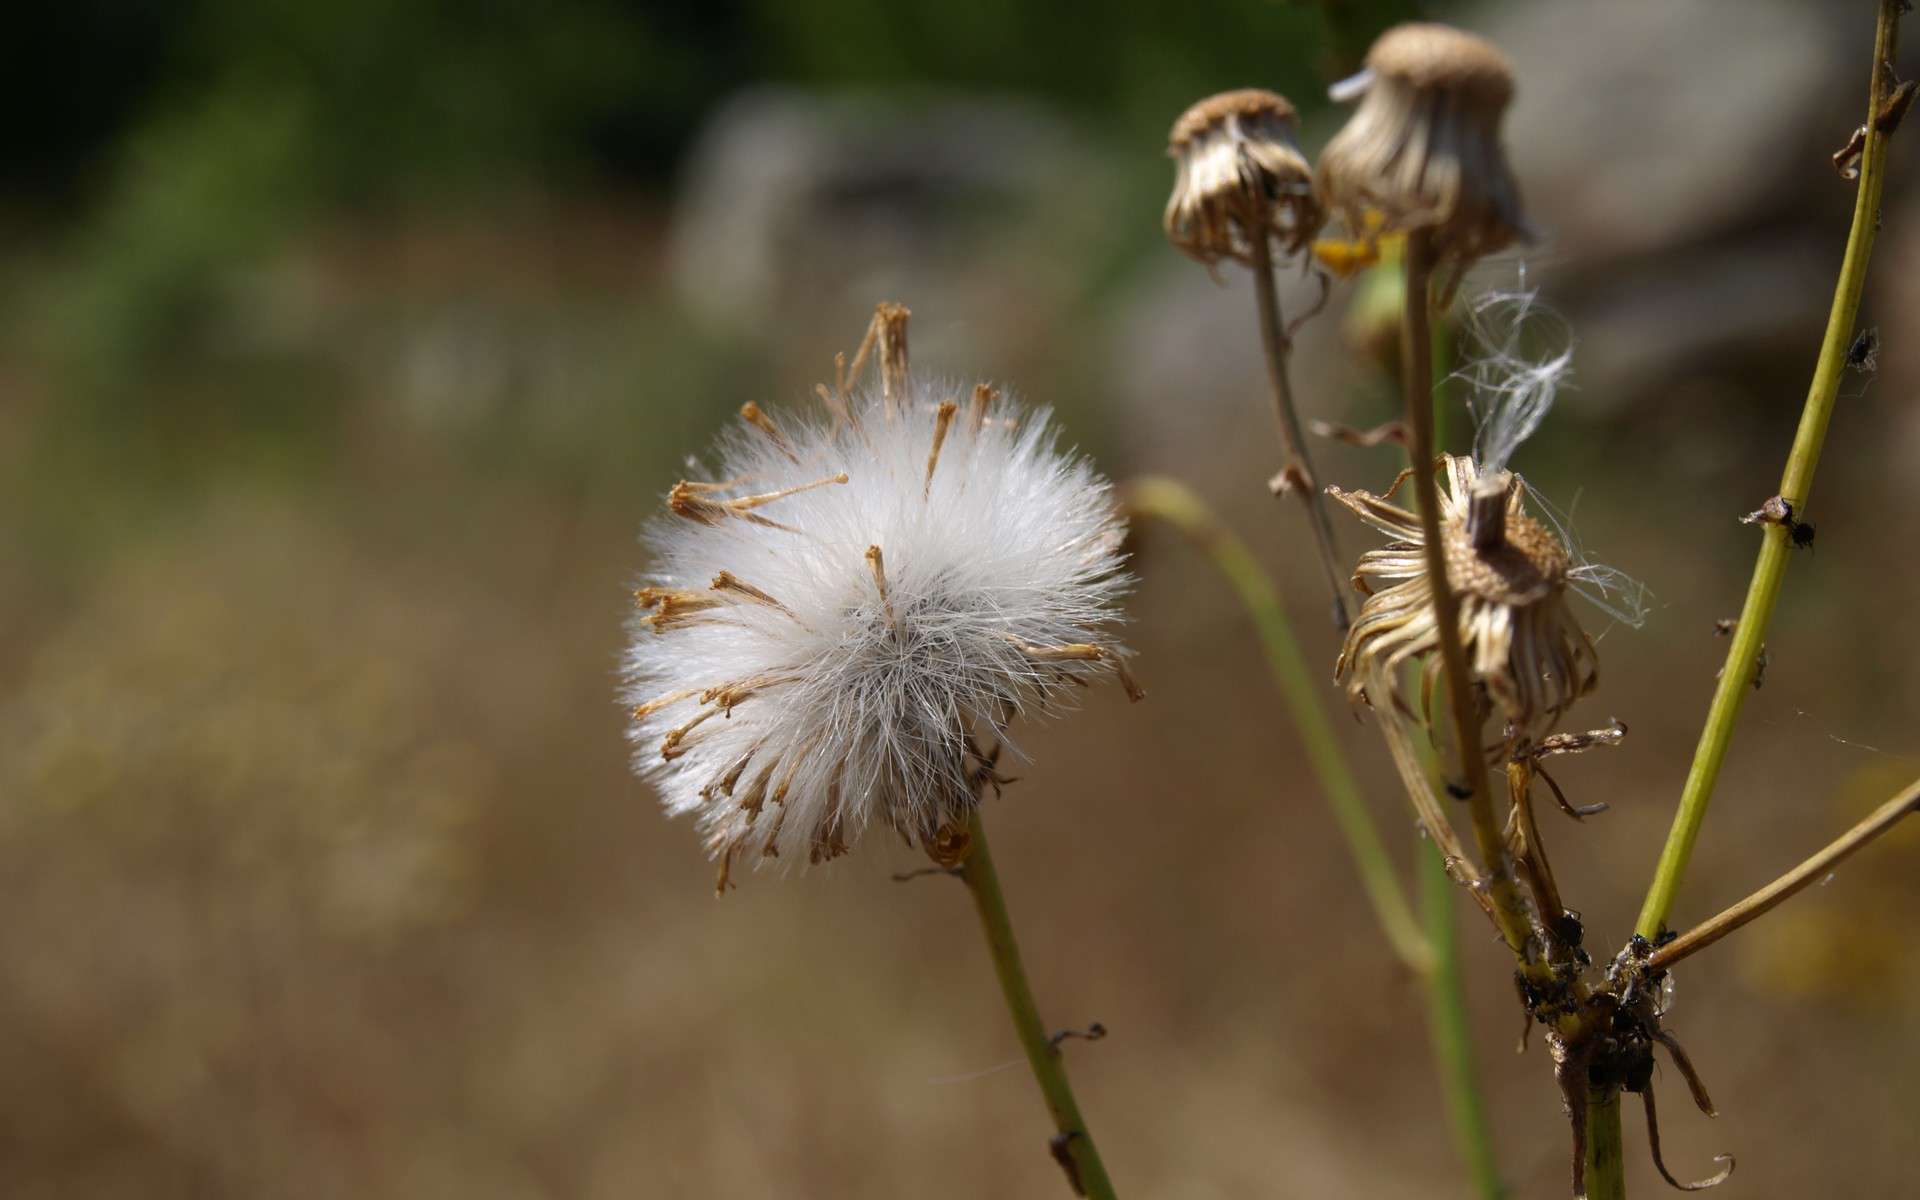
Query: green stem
(1088, 1174)
(1606, 1167)
(1435, 953)
(1416, 366)
(1796, 483)
(1448, 1028)
(1784, 888)
(1155, 496)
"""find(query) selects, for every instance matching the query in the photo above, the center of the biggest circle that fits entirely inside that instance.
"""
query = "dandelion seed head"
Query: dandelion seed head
(839, 629)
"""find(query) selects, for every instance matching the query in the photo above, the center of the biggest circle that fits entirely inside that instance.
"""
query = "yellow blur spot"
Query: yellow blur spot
(1347, 257)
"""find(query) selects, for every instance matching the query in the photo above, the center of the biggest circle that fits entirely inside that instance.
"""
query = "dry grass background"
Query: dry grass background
(325, 875)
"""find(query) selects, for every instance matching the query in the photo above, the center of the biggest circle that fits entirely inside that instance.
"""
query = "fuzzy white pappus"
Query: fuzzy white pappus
(1518, 360)
(839, 632)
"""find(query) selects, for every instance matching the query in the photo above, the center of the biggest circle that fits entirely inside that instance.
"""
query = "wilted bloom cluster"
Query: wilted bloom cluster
(1421, 155)
(838, 628)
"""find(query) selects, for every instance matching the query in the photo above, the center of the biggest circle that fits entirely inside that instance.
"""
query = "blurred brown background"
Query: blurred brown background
(346, 347)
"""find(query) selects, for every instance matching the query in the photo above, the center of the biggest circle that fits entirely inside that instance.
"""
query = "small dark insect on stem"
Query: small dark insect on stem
(1778, 510)
(1864, 354)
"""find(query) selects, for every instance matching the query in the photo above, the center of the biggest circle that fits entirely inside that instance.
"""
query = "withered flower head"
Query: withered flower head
(1241, 177)
(837, 633)
(1423, 150)
(1510, 573)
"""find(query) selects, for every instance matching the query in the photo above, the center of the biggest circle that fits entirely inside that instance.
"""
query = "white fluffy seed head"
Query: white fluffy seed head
(853, 650)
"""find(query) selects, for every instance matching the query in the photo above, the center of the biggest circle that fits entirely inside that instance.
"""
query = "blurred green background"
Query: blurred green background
(346, 346)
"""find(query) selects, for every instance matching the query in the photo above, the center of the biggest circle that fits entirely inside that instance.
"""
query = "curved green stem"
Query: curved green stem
(1171, 501)
(1434, 952)
(1074, 1145)
(1795, 484)
(1448, 1027)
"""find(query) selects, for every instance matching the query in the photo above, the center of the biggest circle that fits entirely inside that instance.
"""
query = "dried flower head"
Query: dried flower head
(1510, 573)
(1423, 150)
(1241, 177)
(840, 630)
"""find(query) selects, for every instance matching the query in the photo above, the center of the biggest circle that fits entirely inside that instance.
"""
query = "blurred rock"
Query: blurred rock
(1676, 160)
(1694, 245)
(793, 206)
(1705, 119)
(1187, 364)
